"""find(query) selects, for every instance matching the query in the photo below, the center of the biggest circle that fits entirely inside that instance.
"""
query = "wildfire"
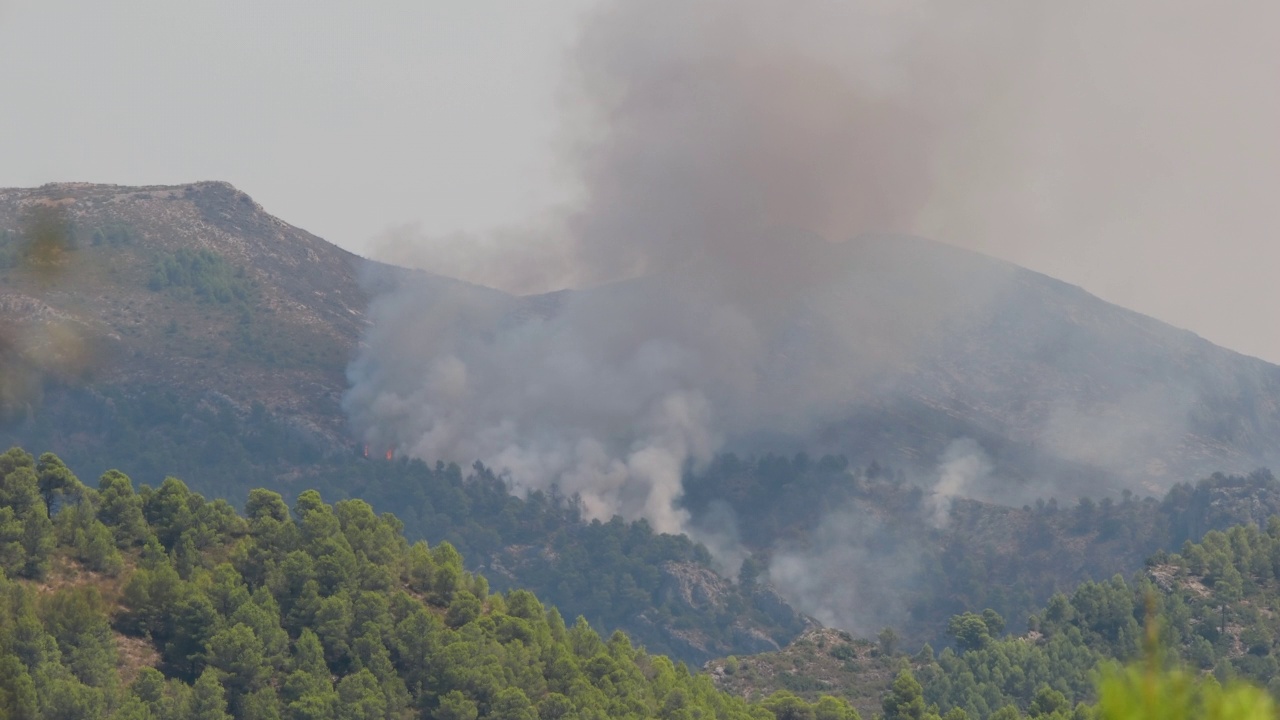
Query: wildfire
(390, 454)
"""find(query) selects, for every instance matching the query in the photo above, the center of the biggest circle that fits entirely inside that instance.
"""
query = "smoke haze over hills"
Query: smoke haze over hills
(1125, 147)
(726, 152)
(724, 146)
(750, 180)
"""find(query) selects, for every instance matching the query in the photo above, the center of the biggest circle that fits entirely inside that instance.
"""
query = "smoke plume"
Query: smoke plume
(850, 573)
(721, 133)
(961, 471)
(723, 149)
(733, 158)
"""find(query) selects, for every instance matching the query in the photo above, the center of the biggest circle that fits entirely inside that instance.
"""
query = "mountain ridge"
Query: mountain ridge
(997, 375)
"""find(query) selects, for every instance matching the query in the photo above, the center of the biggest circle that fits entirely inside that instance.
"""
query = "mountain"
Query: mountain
(182, 330)
(922, 343)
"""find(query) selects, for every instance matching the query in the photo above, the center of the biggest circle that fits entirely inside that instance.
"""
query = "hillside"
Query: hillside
(182, 330)
(820, 531)
(821, 661)
(904, 346)
(1212, 608)
(183, 324)
(282, 338)
(160, 604)
(919, 344)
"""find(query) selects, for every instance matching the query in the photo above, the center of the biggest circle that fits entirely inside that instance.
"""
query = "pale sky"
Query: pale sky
(1154, 148)
(342, 118)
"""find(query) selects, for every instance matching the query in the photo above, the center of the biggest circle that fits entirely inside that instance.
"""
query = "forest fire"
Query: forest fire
(390, 453)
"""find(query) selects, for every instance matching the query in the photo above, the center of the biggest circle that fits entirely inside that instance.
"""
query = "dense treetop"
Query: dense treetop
(315, 611)
(160, 603)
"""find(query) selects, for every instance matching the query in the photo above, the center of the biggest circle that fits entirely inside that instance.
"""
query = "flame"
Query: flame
(391, 453)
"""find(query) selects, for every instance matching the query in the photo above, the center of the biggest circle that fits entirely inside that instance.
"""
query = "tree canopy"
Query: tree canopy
(161, 603)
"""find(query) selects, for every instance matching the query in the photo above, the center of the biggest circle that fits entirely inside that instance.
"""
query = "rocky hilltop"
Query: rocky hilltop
(283, 345)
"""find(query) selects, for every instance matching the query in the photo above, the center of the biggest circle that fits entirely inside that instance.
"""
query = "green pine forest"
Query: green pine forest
(160, 603)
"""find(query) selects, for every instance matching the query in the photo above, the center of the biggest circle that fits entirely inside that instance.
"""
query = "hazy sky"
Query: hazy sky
(342, 118)
(1130, 146)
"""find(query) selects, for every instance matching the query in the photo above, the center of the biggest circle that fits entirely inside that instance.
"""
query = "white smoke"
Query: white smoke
(849, 573)
(962, 472)
(580, 398)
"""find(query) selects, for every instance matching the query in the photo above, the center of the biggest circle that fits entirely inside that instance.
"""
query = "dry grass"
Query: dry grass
(134, 653)
(822, 661)
(66, 572)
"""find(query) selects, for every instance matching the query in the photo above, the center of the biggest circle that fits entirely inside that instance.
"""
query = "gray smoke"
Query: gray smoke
(726, 151)
(700, 132)
(847, 574)
(722, 148)
(962, 472)
(1089, 140)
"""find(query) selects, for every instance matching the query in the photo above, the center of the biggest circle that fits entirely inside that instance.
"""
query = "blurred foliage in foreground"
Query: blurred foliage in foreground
(1142, 693)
